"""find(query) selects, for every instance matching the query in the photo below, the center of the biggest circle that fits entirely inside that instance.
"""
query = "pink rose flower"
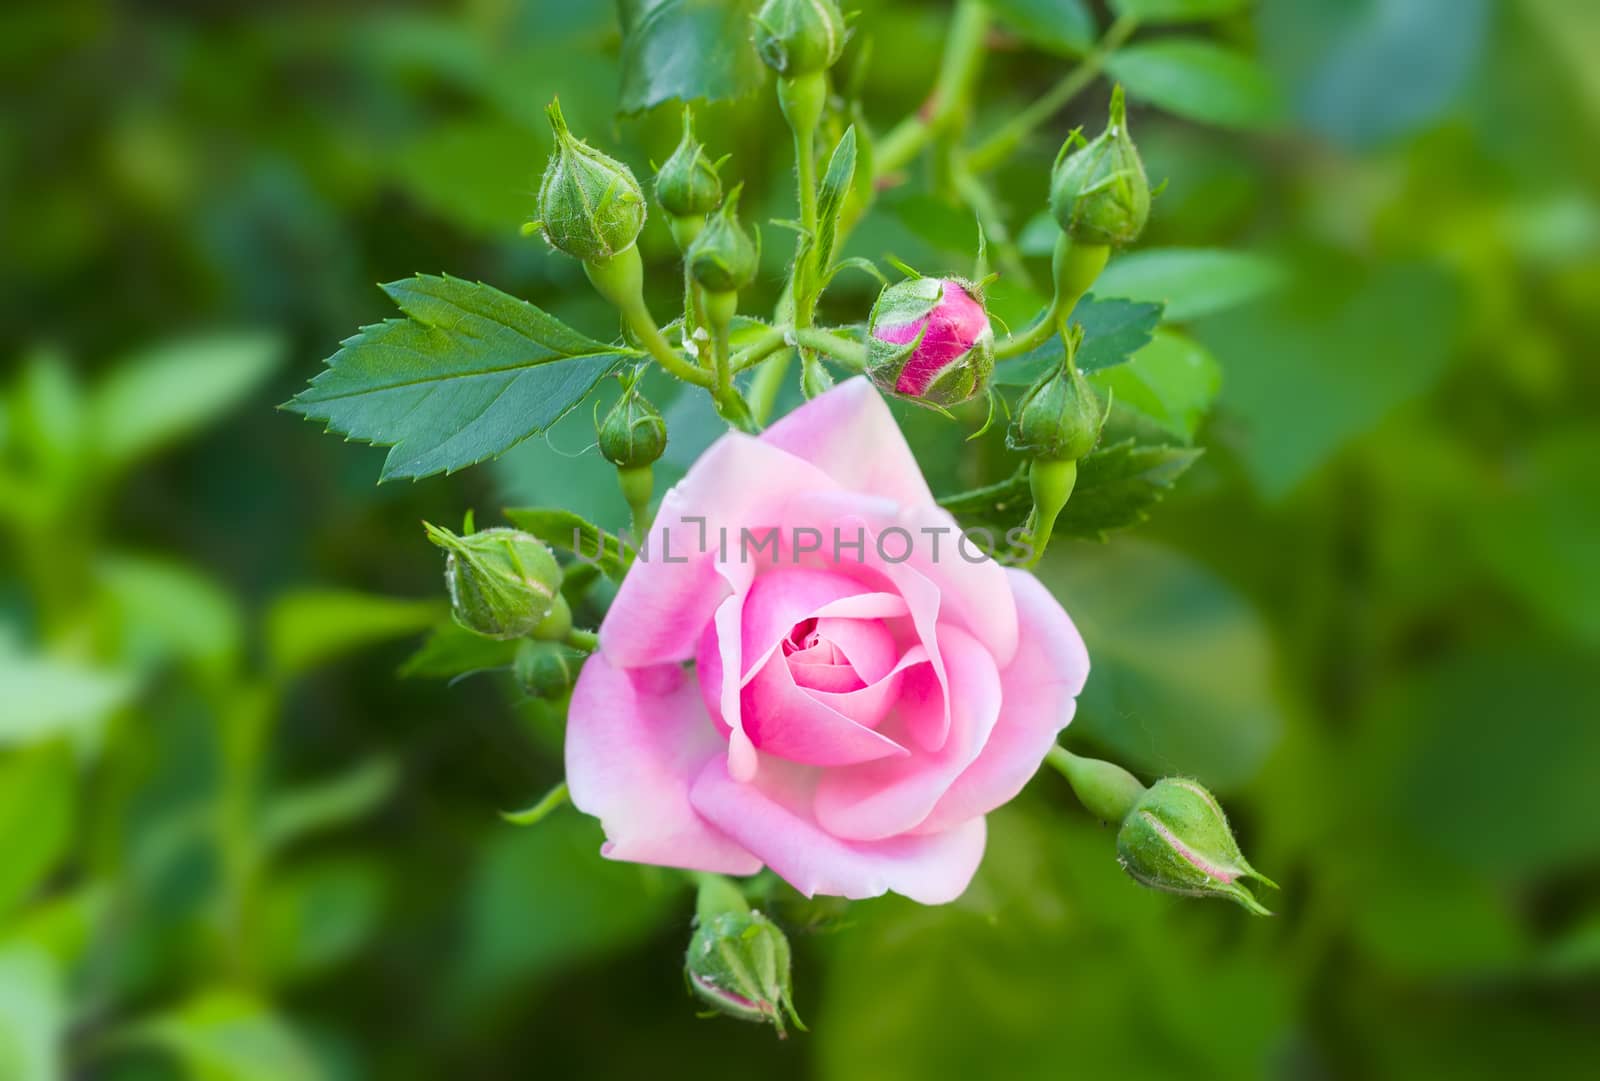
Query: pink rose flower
(866, 685)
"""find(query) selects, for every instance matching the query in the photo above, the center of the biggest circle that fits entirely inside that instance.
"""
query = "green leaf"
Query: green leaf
(1182, 678)
(46, 696)
(1328, 357)
(37, 786)
(686, 49)
(1113, 330)
(1191, 282)
(325, 805)
(1172, 11)
(33, 1016)
(1173, 381)
(1201, 81)
(164, 611)
(228, 1035)
(308, 627)
(835, 189)
(471, 373)
(158, 397)
(451, 651)
(568, 532)
(1058, 26)
(1116, 487)
(317, 916)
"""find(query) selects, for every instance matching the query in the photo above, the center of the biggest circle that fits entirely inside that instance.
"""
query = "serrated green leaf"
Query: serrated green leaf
(469, 374)
(1117, 486)
(1173, 381)
(1113, 330)
(307, 627)
(159, 396)
(686, 49)
(1174, 11)
(569, 532)
(1058, 26)
(452, 651)
(1199, 80)
(1191, 282)
(835, 189)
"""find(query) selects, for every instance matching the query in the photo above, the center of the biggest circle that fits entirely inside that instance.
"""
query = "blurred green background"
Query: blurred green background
(236, 845)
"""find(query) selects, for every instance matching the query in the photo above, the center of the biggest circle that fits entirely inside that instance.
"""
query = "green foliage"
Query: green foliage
(36, 813)
(1060, 26)
(33, 1015)
(834, 190)
(47, 696)
(1194, 78)
(491, 369)
(1191, 282)
(1113, 331)
(1162, 11)
(686, 49)
(312, 626)
(227, 1035)
(1172, 381)
(568, 532)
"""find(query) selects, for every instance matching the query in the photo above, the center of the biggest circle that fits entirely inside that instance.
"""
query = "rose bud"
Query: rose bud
(590, 205)
(503, 583)
(799, 37)
(687, 185)
(738, 961)
(1099, 193)
(633, 433)
(545, 669)
(1059, 418)
(929, 340)
(723, 258)
(1177, 839)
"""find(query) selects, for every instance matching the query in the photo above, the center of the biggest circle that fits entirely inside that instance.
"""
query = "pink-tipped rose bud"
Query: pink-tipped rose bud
(930, 340)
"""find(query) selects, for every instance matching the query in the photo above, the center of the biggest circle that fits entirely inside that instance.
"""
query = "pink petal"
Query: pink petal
(1038, 698)
(866, 644)
(870, 704)
(671, 592)
(783, 720)
(783, 596)
(850, 434)
(881, 799)
(772, 818)
(829, 678)
(636, 739)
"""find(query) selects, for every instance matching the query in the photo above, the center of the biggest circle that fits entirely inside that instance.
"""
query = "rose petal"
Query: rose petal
(636, 738)
(674, 587)
(881, 799)
(870, 704)
(867, 645)
(850, 434)
(784, 720)
(1038, 698)
(781, 597)
(829, 678)
(772, 817)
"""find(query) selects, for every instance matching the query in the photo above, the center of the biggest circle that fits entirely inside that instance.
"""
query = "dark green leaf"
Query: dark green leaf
(1113, 330)
(1191, 282)
(1173, 11)
(1196, 79)
(308, 627)
(314, 917)
(835, 188)
(471, 373)
(1117, 486)
(1059, 26)
(452, 650)
(37, 786)
(568, 532)
(686, 49)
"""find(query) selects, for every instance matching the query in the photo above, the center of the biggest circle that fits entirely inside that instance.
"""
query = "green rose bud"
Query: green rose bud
(687, 185)
(503, 583)
(1177, 839)
(723, 258)
(1060, 417)
(545, 669)
(738, 961)
(1099, 193)
(590, 205)
(633, 433)
(799, 37)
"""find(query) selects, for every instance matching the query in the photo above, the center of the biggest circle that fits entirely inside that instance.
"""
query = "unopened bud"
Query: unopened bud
(633, 433)
(723, 258)
(738, 961)
(1099, 192)
(687, 184)
(1060, 417)
(929, 340)
(590, 206)
(1177, 839)
(545, 669)
(799, 37)
(503, 583)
